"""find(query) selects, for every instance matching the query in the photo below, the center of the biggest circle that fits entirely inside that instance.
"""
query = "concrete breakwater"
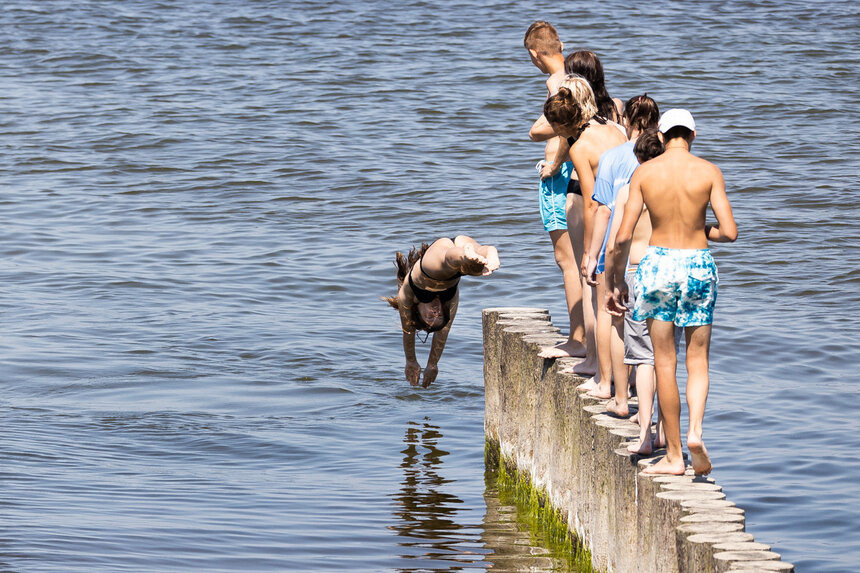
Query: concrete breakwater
(573, 455)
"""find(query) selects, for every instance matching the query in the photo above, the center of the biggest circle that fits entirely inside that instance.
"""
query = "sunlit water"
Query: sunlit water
(201, 206)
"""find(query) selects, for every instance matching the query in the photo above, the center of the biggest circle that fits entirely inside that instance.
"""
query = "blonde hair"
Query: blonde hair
(573, 104)
(583, 95)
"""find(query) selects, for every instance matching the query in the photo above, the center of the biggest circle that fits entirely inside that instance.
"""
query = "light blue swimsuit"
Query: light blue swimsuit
(614, 170)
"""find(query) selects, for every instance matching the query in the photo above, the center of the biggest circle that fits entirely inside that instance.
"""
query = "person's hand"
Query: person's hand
(430, 374)
(547, 170)
(413, 371)
(616, 301)
(590, 273)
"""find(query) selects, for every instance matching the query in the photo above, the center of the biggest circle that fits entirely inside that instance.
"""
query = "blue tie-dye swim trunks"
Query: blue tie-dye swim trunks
(676, 285)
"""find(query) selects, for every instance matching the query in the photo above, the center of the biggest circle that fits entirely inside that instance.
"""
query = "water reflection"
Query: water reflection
(427, 514)
(433, 522)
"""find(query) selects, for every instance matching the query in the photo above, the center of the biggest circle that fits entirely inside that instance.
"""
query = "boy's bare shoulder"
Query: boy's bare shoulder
(646, 168)
(553, 82)
(707, 167)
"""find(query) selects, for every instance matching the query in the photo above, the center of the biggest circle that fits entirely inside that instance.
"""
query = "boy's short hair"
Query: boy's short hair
(542, 37)
(648, 145)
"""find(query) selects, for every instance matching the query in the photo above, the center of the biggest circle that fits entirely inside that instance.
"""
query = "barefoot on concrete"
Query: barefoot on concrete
(588, 385)
(641, 447)
(602, 391)
(664, 466)
(701, 460)
(569, 349)
(620, 410)
(598, 392)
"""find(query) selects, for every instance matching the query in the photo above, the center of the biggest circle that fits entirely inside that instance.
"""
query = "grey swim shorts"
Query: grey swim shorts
(637, 341)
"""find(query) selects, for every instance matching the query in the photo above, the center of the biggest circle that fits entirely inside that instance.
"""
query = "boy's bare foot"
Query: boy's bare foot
(658, 442)
(493, 263)
(641, 447)
(588, 385)
(701, 460)
(666, 467)
(615, 408)
(598, 392)
(569, 349)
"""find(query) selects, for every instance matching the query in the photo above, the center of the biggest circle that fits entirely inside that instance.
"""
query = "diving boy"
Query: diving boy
(677, 278)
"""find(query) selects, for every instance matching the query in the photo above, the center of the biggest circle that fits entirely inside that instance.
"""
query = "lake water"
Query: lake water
(201, 203)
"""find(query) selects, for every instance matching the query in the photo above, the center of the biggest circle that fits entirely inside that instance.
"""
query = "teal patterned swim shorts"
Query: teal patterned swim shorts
(676, 285)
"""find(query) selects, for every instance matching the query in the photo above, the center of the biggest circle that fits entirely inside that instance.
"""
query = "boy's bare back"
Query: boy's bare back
(677, 187)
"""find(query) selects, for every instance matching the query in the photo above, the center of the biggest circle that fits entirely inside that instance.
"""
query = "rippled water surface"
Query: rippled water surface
(201, 202)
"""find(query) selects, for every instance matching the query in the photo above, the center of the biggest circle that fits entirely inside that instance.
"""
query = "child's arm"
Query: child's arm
(619, 251)
(541, 130)
(600, 219)
(617, 216)
(582, 165)
(599, 215)
(413, 369)
(726, 230)
(562, 155)
(440, 337)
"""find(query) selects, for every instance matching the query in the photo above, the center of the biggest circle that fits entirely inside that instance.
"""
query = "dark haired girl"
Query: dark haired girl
(429, 278)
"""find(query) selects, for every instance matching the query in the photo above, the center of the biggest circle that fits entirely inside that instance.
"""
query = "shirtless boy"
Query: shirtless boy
(636, 347)
(545, 50)
(677, 278)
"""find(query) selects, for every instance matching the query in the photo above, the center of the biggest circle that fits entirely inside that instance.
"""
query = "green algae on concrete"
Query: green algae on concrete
(546, 524)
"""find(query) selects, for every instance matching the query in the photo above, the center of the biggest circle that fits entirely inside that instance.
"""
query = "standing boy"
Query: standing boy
(677, 277)
(545, 50)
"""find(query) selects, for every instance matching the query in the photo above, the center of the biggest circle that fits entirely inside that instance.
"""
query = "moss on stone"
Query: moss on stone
(547, 524)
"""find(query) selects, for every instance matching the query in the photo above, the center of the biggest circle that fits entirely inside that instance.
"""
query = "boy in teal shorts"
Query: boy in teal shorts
(546, 53)
(677, 278)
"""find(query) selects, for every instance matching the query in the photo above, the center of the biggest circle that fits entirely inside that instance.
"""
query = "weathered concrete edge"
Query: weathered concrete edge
(572, 452)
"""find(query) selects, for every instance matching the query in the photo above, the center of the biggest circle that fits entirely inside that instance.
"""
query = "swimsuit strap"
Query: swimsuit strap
(599, 119)
(457, 275)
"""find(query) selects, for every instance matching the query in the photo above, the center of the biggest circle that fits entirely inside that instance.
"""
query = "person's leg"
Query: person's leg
(602, 335)
(583, 329)
(563, 251)
(665, 362)
(645, 388)
(698, 347)
(620, 374)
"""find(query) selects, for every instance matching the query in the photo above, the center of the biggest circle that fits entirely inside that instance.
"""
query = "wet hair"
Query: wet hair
(404, 264)
(573, 103)
(641, 113)
(542, 37)
(648, 145)
(678, 131)
(587, 64)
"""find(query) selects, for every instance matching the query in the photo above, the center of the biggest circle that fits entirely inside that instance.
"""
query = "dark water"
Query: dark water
(200, 206)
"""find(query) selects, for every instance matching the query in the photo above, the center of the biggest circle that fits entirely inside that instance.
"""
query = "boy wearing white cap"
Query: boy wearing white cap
(677, 278)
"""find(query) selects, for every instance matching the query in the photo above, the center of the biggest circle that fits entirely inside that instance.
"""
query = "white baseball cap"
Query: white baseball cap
(675, 117)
